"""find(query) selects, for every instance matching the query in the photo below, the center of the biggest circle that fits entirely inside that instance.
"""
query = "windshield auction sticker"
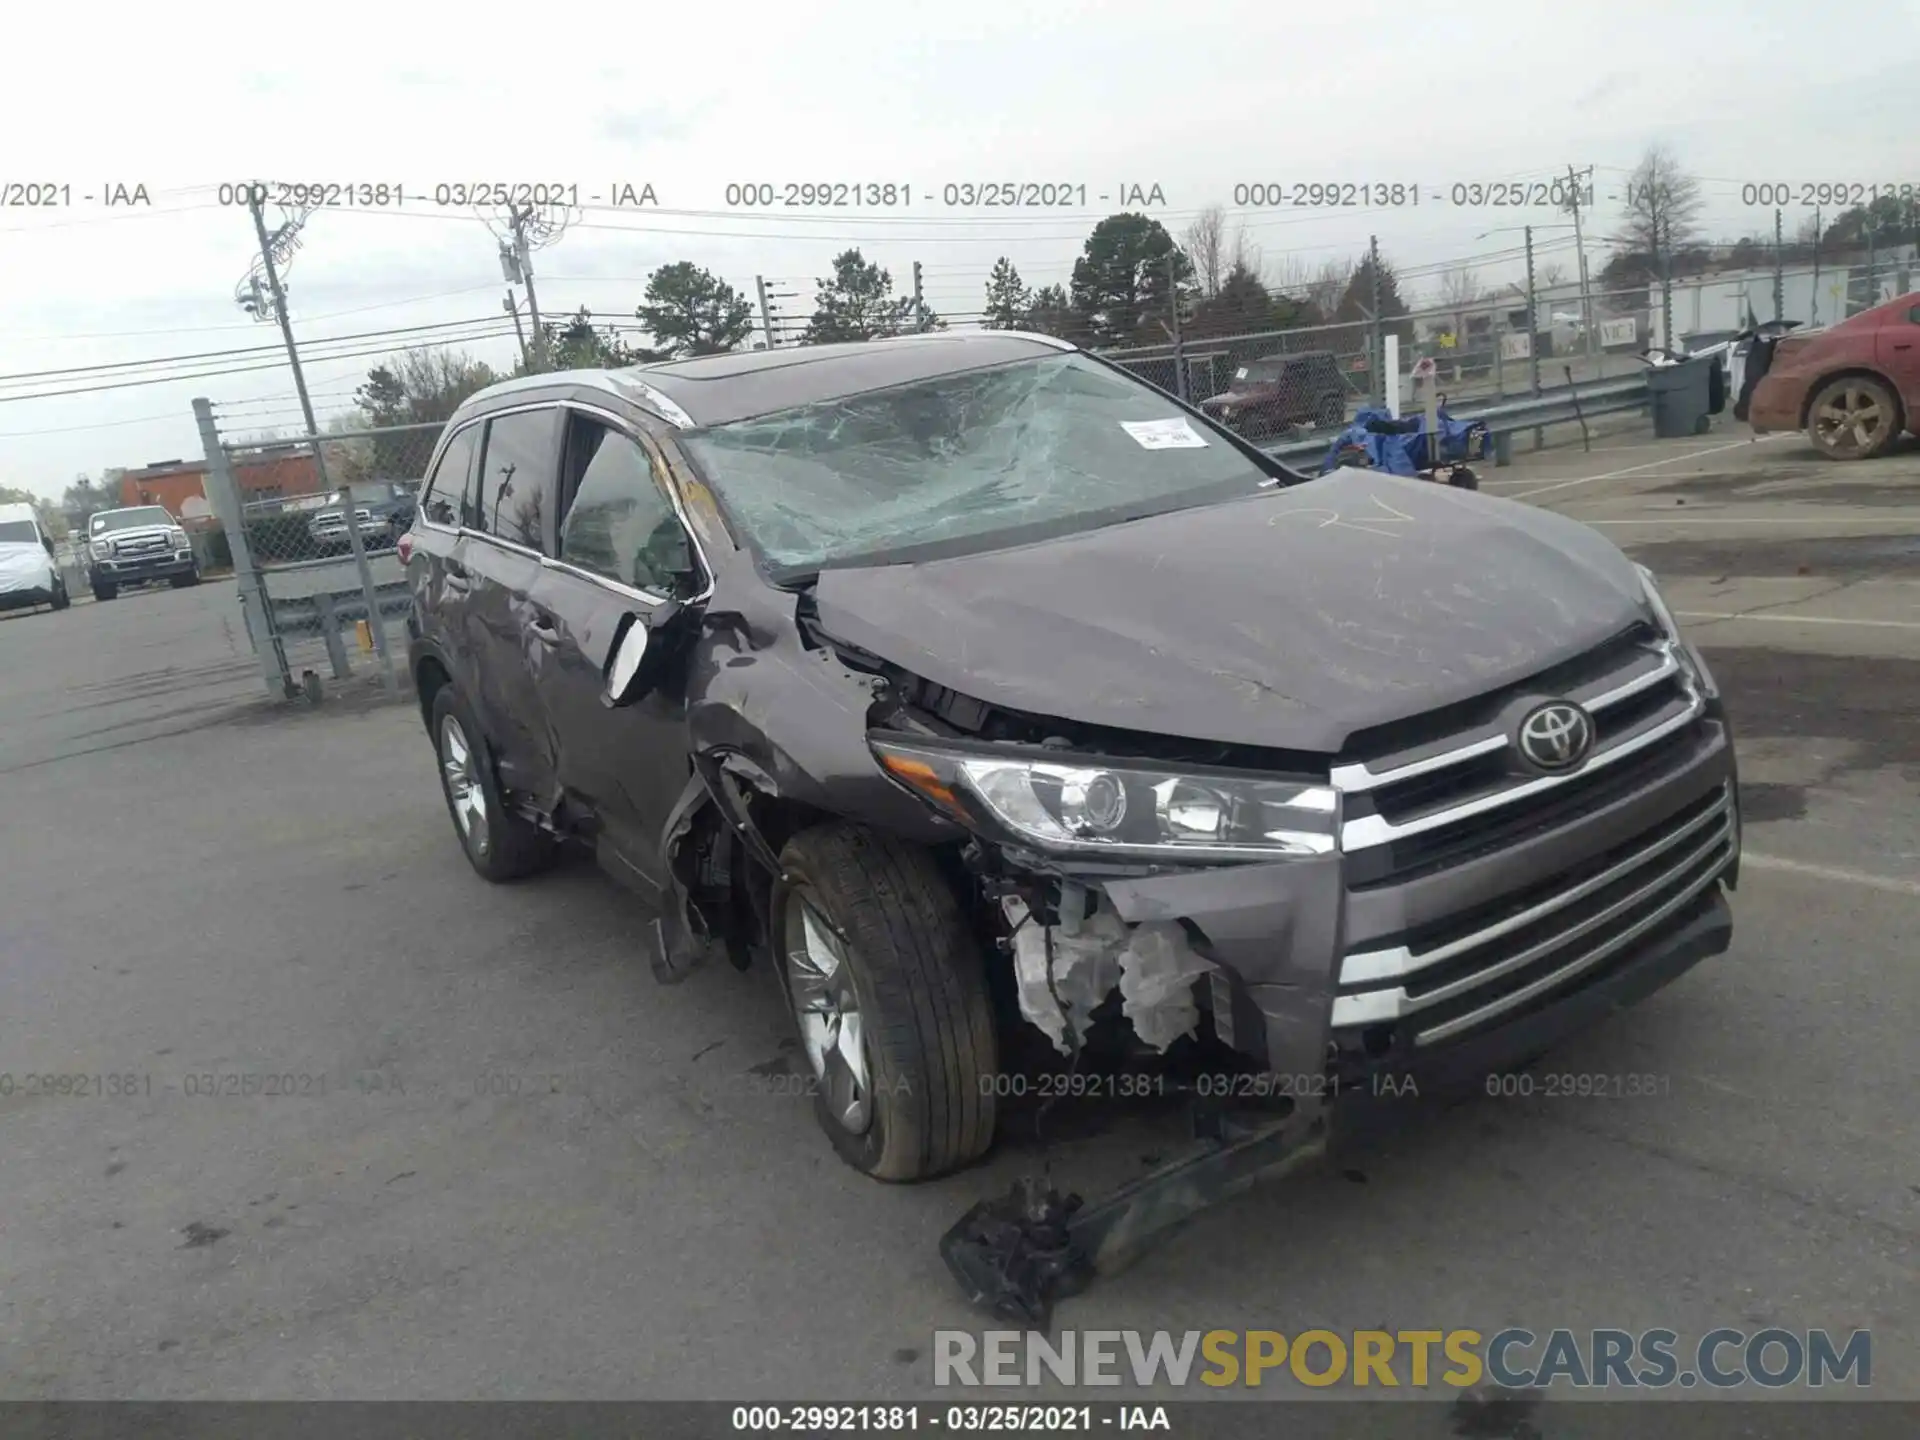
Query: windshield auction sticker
(1174, 434)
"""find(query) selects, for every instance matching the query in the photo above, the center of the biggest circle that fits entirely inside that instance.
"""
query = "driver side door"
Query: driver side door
(623, 560)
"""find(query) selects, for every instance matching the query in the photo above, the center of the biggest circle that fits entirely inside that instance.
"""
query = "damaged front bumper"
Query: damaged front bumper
(1414, 965)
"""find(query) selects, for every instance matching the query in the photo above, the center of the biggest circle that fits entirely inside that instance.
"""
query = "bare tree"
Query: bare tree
(1288, 275)
(1328, 283)
(1205, 242)
(1552, 275)
(1459, 287)
(1244, 254)
(1662, 215)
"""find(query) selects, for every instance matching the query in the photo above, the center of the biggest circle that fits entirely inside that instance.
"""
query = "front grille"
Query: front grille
(1474, 968)
(1435, 799)
(144, 545)
(1447, 798)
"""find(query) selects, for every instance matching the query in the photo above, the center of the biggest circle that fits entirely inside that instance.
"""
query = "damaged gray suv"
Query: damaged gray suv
(997, 702)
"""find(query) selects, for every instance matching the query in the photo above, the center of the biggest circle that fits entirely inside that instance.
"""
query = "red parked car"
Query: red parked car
(1853, 387)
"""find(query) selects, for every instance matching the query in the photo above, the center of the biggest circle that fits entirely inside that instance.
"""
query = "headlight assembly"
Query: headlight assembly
(1691, 658)
(1120, 809)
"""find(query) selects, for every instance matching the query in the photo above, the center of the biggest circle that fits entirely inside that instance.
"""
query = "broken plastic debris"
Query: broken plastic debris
(1152, 965)
(1157, 970)
(1086, 969)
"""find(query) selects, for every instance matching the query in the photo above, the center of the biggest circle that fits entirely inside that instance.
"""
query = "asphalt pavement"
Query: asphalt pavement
(366, 1126)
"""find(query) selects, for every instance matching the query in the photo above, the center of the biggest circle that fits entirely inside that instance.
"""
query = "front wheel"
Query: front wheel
(181, 582)
(60, 597)
(105, 592)
(1854, 418)
(888, 989)
(499, 843)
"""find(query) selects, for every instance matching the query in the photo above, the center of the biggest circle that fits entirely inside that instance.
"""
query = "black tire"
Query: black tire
(1839, 437)
(61, 600)
(105, 592)
(181, 582)
(509, 846)
(1462, 478)
(919, 977)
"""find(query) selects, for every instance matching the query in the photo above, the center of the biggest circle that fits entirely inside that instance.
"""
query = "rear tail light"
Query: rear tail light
(404, 547)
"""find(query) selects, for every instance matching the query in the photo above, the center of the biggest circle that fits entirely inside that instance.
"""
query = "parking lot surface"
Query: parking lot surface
(484, 1154)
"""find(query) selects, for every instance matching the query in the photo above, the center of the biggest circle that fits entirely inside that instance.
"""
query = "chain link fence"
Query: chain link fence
(311, 528)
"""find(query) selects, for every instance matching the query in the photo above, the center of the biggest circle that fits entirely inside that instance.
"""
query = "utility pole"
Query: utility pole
(256, 202)
(1779, 266)
(512, 307)
(1819, 229)
(766, 312)
(1580, 247)
(919, 310)
(1533, 321)
(1374, 363)
(1173, 296)
(518, 216)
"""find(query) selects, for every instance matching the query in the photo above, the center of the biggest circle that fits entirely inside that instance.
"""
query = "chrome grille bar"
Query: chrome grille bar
(1371, 966)
(1359, 777)
(1566, 972)
(1380, 1006)
(1367, 830)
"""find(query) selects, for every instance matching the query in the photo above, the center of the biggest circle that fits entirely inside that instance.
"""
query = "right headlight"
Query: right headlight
(1123, 809)
(1663, 616)
(100, 549)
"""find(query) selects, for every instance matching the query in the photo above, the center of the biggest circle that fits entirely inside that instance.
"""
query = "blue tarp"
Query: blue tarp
(1460, 440)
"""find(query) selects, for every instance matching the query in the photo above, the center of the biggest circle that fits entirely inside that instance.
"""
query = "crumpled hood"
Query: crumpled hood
(1291, 619)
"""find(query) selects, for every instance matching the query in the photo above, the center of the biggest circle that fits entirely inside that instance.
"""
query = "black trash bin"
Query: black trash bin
(1682, 397)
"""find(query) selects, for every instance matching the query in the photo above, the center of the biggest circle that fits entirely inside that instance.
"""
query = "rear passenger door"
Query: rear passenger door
(621, 554)
(509, 533)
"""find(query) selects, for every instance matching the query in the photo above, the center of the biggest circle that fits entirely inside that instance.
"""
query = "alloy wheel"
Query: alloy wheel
(460, 773)
(820, 982)
(1850, 421)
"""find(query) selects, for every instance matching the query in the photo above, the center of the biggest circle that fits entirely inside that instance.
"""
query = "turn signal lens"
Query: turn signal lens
(922, 777)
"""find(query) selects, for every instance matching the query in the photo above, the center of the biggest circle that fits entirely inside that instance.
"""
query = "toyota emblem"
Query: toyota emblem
(1556, 736)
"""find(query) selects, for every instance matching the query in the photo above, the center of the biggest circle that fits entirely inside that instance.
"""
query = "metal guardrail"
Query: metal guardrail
(310, 615)
(1561, 405)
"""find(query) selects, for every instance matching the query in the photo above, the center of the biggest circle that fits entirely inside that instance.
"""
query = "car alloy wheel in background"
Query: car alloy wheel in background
(1853, 418)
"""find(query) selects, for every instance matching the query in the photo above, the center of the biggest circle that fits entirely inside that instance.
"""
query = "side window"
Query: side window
(516, 477)
(446, 492)
(618, 522)
(1913, 315)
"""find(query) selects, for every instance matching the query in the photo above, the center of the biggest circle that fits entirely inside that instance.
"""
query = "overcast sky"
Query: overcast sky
(1193, 99)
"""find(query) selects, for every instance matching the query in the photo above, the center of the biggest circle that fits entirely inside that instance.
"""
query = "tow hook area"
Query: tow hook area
(1016, 1256)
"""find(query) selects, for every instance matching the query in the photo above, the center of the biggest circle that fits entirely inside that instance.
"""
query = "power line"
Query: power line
(240, 351)
(245, 369)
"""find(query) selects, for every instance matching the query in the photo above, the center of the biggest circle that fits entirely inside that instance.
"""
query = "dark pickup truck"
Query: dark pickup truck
(1272, 396)
(383, 508)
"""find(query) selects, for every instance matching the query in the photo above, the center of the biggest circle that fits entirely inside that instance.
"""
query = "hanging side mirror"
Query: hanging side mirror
(624, 682)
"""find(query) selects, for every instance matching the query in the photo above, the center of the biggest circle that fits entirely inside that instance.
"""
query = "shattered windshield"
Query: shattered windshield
(1059, 444)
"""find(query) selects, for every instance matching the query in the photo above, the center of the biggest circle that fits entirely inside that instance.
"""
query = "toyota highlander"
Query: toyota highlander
(991, 698)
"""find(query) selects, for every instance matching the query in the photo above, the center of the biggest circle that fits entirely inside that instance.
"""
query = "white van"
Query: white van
(28, 572)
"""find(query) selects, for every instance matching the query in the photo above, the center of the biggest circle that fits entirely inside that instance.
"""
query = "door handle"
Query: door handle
(543, 630)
